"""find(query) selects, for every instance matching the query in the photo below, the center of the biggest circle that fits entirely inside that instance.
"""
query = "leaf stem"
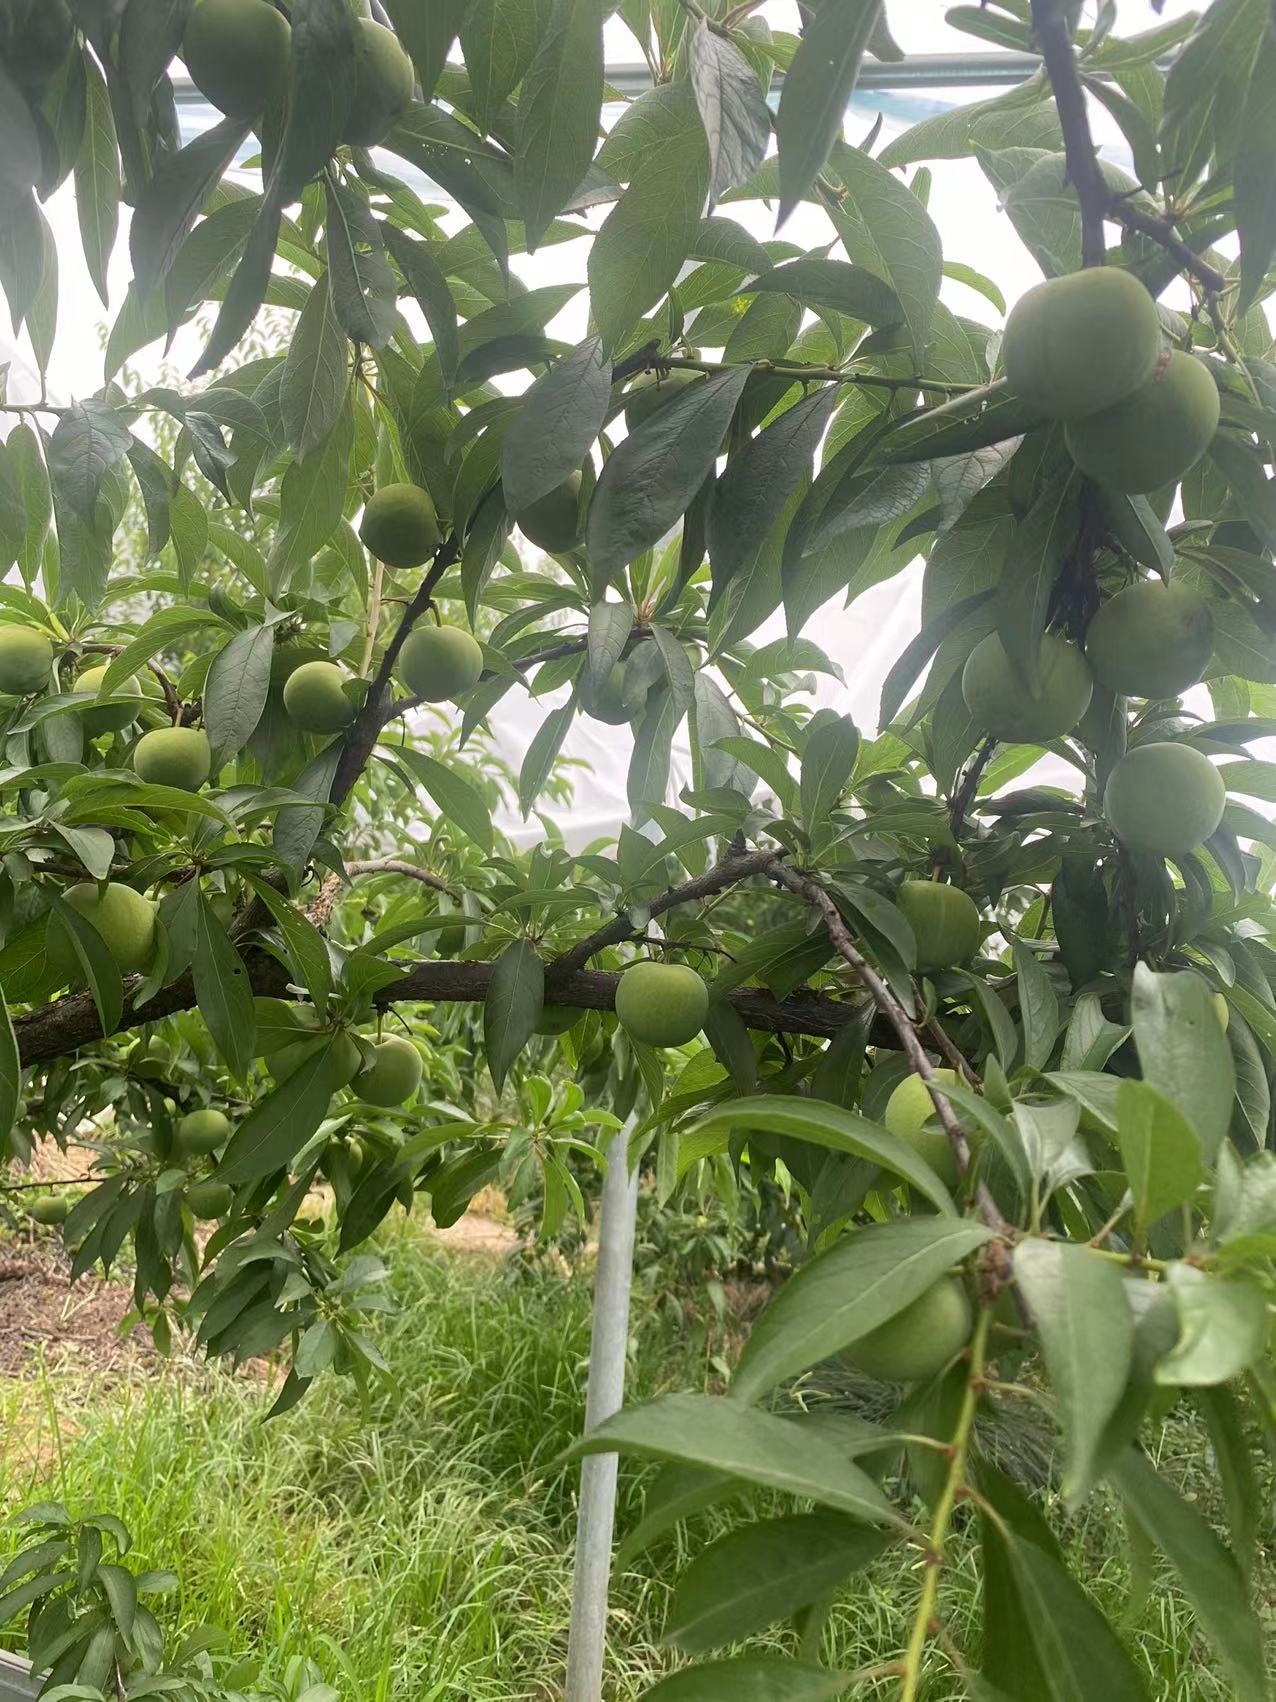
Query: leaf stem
(923, 1622)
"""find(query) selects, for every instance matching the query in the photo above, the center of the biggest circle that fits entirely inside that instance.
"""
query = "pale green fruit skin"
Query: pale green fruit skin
(124, 919)
(1151, 640)
(384, 83)
(945, 922)
(552, 522)
(997, 694)
(314, 700)
(49, 1208)
(346, 1057)
(115, 716)
(1155, 435)
(917, 1343)
(647, 399)
(26, 660)
(237, 53)
(1164, 798)
(393, 1076)
(608, 705)
(661, 1004)
(1079, 343)
(557, 1019)
(1222, 1011)
(439, 662)
(400, 527)
(208, 1200)
(201, 1132)
(174, 756)
(907, 1112)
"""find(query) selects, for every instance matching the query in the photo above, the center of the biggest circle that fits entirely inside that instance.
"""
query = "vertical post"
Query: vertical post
(606, 1392)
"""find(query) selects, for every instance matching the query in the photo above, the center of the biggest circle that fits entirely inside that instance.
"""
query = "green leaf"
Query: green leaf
(758, 482)
(648, 779)
(1206, 84)
(364, 288)
(97, 180)
(1038, 550)
(559, 106)
(733, 109)
(315, 382)
(560, 416)
(427, 32)
(173, 198)
(1078, 1304)
(89, 440)
(278, 1126)
(542, 754)
(1255, 186)
(487, 536)
(1210, 1577)
(859, 1283)
(649, 233)
(885, 229)
(10, 1072)
(247, 288)
(1160, 1149)
(970, 421)
(750, 1679)
(428, 285)
(1081, 1656)
(99, 967)
(651, 478)
(321, 87)
(459, 799)
(833, 287)
(1038, 1006)
(236, 691)
(515, 999)
(828, 760)
(817, 89)
(727, 1436)
(1183, 1051)
(1222, 1328)
(762, 1573)
(223, 990)
(610, 625)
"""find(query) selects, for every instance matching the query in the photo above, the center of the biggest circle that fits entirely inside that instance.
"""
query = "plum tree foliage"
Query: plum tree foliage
(229, 851)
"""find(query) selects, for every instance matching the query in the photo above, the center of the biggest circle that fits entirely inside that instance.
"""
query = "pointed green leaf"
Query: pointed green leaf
(550, 436)
(1160, 1149)
(817, 90)
(515, 998)
(559, 106)
(1183, 1051)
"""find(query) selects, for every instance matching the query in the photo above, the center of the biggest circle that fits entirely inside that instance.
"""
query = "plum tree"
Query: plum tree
(237, 53)
(384, 81)
(662, 1004)
(202, 1132)
(1151, 640)
(1164, 798)
(1081, 342)
(174, 756)
(552, 522)
(400, 526)
(26, 660)
(921, 1339)
(1003, 702)
(316, 699)
(394, 1074)
(439, 662)
(122, 917)
(127, 701)
(1155, 434)
(910, 1111)
(945, 921)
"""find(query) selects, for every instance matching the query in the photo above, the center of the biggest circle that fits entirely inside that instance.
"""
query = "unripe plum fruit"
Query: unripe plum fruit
(644, 400)
(124, 919)
(394, 1074)
(346, 1058)
(383, 87)
(120, 710)
(439, 662)
(314, 699)
(1164, 798)
(1151, 640)
(945, 921)
(237, 53)
(661, 1004)
(557, 1019)
(1154, 435)
(608, 704)
(201, 1132)
(49, 1208)
(1079, 343)
(917, 1343)
(400, 526)
(908, 1111)
(173, 756)
(208, 1200)
(552, 522)
(998, 696)
(26, 660)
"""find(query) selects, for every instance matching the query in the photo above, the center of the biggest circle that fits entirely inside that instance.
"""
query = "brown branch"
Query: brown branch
(320, 910)
(945, 1043)
(964, 797)
(1161, 231)
(1050, 27)
(727, 873)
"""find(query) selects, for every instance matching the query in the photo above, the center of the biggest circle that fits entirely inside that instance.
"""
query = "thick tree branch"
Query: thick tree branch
(620, 928)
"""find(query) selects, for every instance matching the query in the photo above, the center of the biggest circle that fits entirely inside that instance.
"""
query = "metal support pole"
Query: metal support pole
(610, 1336)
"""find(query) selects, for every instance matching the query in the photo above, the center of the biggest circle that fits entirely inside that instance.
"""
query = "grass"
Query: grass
(424, 1553)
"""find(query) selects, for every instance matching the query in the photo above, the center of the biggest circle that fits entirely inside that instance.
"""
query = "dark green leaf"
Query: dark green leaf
(429, 286)
(750, 1679)
(1160, 1149)
(428, 33)
(97, 180)
(828, 760)
(817, 89)
(278, 1126)
(512, 1009)
(1183, 1051)
(236, 691)
(248, 286)
(834, 287)
(88, 441)
(559, 106)
(98, 966)
(733, 109)
(315, 383)
(320, 90)
(363, 285)
(459, 799)
(1037, 552)
(561, 415)
(1081, 1656)
(10, 1072)
(885, 229)
(174, 196)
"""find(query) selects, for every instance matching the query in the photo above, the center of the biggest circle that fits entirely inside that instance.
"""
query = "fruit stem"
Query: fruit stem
(374, 617)
(922, 1623)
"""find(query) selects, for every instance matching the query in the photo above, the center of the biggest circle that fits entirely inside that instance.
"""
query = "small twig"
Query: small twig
(1050, 27)
(321, 907)
(965, 794)
(374, 616)
(945, 1043)
(1162, 232)
(170, 693)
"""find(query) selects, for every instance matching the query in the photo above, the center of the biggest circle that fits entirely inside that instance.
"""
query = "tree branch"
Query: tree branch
(321, 908)
(1050, 27)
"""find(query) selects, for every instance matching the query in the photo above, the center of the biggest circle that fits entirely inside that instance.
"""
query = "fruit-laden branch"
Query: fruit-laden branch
(1096, 200)
(727, 873)
(321, 909)
(56, 1029)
